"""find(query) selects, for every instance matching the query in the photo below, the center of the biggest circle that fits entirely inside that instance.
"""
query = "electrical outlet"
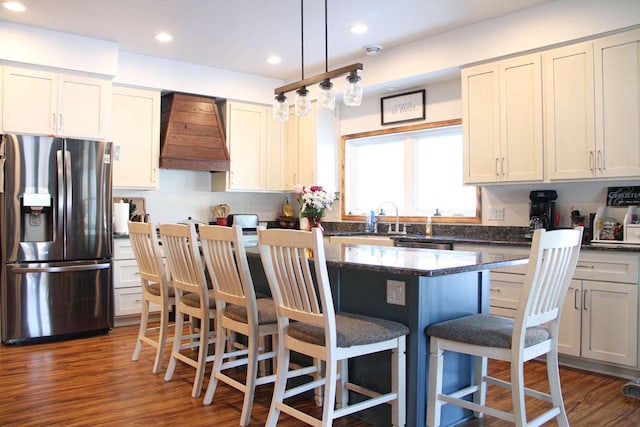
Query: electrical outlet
(496, 213)
(395, 292)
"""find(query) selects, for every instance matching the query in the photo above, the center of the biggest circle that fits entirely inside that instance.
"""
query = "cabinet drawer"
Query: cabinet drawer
(499, 311)
(505, 290)
(128, 301)
(126, 274)
(598, 265)
(122, 249)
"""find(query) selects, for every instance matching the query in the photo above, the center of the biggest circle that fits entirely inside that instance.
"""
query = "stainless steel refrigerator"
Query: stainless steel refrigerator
(56, 238)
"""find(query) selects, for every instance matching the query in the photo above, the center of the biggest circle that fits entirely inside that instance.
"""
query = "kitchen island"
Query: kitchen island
(416, 287)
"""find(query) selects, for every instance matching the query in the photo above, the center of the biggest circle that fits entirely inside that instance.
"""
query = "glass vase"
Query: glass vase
(315, 222)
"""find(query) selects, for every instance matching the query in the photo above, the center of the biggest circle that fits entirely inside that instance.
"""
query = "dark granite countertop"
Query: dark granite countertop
(411, 261)
(470, 234)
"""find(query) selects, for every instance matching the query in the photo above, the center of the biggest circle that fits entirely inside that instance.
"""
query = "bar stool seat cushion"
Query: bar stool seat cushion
(352, 329)
(485, 330)
(192, 299)
(154, 288)
(266, 312)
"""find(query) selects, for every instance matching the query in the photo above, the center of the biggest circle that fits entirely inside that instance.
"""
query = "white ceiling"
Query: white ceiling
(240, 34)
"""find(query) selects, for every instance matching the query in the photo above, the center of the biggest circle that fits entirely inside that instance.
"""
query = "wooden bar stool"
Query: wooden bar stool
(155, 290)
(533, 333)
(186, 275)
(308, 324)
(238, 312)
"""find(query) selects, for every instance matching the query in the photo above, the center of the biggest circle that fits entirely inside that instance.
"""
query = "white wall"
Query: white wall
(184, 194)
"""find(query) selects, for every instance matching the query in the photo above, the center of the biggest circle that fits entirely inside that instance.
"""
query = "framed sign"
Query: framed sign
(623, 196)
(406, 107)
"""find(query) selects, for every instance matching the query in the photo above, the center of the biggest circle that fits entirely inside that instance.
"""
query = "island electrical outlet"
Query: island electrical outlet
(395, 292)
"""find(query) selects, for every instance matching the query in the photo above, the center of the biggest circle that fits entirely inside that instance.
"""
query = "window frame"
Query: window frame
(408, 219)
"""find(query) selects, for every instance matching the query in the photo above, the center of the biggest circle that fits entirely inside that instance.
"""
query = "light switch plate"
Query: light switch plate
(395, 292)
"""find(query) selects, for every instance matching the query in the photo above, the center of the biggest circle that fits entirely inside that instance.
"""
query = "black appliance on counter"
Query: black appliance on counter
(542, 210)
(55, 238)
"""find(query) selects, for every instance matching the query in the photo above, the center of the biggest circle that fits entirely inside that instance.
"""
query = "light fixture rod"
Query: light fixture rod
(326, 40)
(302, 37)
(317, 79)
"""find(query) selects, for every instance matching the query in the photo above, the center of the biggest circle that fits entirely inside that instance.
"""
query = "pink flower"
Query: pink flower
(315, 188)
(298, 188)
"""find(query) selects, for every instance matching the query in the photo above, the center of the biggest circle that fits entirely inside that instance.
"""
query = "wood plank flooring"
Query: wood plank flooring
(92, 381)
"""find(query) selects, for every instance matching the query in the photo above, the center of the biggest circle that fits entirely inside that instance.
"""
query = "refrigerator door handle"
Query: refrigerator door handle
(26, 268)
(67, 178)
(60, 198)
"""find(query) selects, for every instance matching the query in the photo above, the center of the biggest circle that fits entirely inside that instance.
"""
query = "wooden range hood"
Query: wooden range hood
(191, 134)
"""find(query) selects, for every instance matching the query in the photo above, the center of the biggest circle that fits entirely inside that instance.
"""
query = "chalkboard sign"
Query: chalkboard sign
(623, 196)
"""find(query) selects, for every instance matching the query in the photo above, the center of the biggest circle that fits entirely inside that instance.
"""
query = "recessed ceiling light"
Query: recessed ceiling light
(358, 29)
(164, 37)
(274, 59)
(14, 6)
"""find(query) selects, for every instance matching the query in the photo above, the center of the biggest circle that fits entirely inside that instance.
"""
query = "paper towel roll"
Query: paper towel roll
(120, 218)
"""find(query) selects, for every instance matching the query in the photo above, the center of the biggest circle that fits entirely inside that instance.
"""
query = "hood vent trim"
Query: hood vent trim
(191, 134)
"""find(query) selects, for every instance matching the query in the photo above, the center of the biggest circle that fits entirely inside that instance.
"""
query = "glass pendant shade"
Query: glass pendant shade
(352, 90)
(303, 102)
(281, 108)
(327, 96)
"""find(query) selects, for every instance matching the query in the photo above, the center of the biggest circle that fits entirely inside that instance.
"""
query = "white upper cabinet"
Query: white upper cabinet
(617, 100)
(135, 134)
(569, 112)
(502, 121)
(592, 104)
(311, 149)
(45, 103)
(255, 143)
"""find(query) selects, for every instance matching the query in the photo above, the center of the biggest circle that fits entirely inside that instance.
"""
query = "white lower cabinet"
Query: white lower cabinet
(126, 280)
(599, 319)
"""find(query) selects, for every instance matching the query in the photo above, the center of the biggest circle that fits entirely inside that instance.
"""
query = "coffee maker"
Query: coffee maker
(542, 210)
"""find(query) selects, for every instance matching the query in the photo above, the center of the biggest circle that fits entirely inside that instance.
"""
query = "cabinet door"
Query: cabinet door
(521, 119)
(569, 336)
(610, 322)
(29, 103)
(136, 135)
(83, 107)
(481, 123)
(307, 143)
(569, 112)
(292, 176)
(310, 146)
(617, 94)
(247, 138)
(275, 155)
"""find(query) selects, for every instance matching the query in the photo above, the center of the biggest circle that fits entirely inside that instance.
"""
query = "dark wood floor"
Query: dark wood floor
(92, 381)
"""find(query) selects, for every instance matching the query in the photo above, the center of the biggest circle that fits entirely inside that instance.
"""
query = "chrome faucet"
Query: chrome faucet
(397, 228)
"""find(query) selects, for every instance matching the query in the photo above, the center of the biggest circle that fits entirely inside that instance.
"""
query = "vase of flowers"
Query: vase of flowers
(314, 201)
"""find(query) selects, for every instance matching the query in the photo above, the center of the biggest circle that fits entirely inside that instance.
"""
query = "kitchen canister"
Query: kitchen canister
(120, 218)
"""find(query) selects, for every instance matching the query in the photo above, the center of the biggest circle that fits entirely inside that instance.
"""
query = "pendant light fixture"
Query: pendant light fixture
(326, 94)
(352, 90)
(281, 107)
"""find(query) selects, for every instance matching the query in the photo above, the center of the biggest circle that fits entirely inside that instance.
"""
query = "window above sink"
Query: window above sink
(418, 168)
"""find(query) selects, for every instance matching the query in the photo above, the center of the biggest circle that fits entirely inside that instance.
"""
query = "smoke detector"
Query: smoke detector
(373, 49)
